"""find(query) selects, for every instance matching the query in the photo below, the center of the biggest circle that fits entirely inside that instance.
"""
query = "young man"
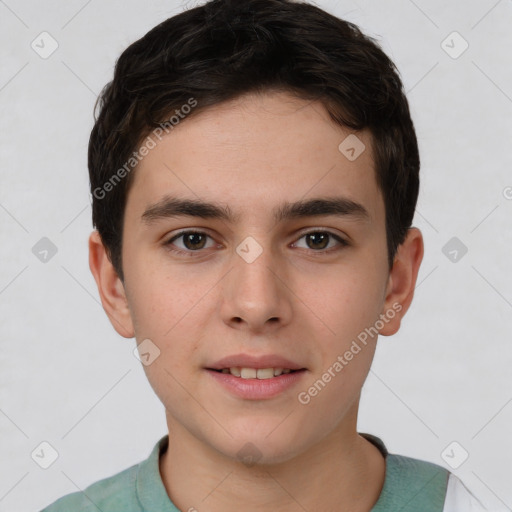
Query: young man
(254, 172)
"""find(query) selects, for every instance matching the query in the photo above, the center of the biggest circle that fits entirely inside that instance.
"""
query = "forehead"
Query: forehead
(256, 153)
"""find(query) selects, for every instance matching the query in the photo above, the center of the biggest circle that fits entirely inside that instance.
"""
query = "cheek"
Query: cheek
(162, 304)
(346, 301)
(173, 324)
(345, 362)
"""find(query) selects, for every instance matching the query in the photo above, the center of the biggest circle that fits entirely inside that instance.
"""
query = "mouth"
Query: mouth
(252, 377)
(256, 373)
(256, 377)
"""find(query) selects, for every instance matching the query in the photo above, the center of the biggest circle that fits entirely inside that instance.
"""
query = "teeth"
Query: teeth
(234, 371)
(265, 373)
(248, 373)
(253, 373)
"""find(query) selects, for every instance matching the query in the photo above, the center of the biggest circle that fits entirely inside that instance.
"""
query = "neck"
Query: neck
(342, 472)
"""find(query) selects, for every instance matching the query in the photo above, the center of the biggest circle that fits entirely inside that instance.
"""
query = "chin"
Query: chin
(270, 443)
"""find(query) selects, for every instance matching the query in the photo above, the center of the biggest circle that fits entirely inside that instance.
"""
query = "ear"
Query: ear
(402, 281)
(110, 287)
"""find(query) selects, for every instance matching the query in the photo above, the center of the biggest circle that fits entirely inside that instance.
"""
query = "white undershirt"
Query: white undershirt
(459, 499)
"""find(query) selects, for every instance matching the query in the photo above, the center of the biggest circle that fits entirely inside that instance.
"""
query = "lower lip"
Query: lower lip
(257, 389)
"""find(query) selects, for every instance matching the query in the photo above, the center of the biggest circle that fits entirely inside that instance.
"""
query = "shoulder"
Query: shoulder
(409, 484)
(135, 489)
(424, 485)
(117, 492)
(402, 463)
(412, 484)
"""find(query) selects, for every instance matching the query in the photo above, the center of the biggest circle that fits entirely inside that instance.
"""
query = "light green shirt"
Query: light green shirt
(410, 485)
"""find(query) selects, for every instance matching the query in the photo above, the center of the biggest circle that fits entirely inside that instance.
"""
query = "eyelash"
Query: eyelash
(190, 253)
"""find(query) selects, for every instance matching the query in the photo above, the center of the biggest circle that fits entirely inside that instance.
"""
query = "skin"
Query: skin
(299, 299)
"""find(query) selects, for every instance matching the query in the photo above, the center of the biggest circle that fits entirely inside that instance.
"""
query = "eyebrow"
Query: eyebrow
(170, 207)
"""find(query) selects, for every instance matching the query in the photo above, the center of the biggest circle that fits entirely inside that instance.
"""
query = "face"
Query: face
(282, 272)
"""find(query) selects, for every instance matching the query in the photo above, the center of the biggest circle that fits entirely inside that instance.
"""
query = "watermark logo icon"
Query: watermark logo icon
(454, 45)
(454, 250)
(352, 147)
(146, 352)
(249, 454)
(454, 455)
(44, 45)
(44, 455)
(249, 249)
(44, 250)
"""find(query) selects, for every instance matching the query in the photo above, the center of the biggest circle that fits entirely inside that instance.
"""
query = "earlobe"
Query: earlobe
(110, 287)
(402, 281)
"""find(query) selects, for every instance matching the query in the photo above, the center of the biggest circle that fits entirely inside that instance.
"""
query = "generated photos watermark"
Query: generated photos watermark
(342, 361)
(150, 142)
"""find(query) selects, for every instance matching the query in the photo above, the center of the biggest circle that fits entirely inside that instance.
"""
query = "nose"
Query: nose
(257, 296)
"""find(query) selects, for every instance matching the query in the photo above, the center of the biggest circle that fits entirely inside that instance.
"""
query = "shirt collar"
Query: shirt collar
(150, 488)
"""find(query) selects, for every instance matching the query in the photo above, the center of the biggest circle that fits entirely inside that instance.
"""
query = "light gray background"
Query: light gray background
(67, 378)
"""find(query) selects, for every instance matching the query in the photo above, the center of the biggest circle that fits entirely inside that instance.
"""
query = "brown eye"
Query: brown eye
(194, 241)
(317, 240)
(191, 241)
(322, 241)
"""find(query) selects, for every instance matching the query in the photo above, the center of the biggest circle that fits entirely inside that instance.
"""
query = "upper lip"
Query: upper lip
(258, 362)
